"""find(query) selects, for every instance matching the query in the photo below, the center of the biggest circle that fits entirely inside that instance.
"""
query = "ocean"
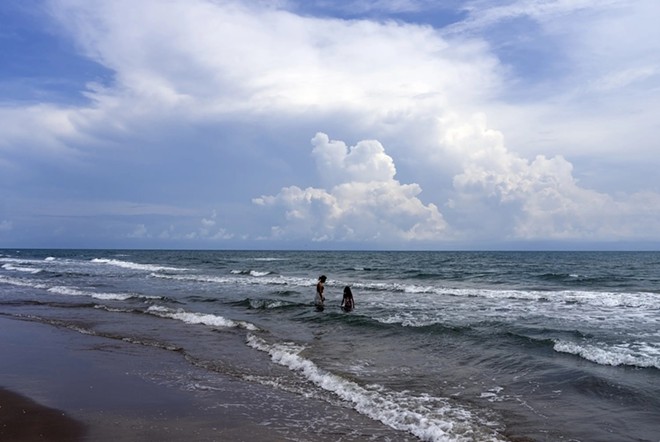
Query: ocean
(441, 346)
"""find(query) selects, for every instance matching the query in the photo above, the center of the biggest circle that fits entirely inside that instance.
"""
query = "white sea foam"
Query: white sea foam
(20, 260)
(134, 265)
(427, 417)
(250, 272)
(266, 303)
(194, 278)
(493, 394)
(21, 283)
(13, 268)
(423, 309)
(640, 354)
(239, 280)
(70, 291)
(598, 299)
(199, 318)
(595, 298)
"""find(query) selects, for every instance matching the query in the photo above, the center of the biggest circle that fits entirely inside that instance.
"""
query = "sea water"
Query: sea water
(441, 346)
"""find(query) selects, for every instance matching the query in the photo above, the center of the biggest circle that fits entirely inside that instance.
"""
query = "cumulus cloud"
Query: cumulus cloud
(211, 231)
(364, 162)
(201, 89)
(365, 202)
(205, 229)
(537, 199)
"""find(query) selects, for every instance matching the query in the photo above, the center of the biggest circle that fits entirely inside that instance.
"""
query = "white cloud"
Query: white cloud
(217, 58)
(140, 231)
(187, 73)
(366, 203)
(623, 78)
(40, 128)
(484, 13)
(365, 162)
(211, 231)
(539, 199)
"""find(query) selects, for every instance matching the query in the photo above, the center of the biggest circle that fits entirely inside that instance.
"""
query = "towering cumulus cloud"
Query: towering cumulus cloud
(363, 200)
(535, 199)
(158, 123)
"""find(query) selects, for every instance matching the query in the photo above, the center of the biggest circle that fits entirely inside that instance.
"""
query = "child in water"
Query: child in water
(320, 298)
(347, 302)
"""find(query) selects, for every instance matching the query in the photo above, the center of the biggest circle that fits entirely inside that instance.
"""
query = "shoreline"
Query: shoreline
(57, 384)
(88, 388)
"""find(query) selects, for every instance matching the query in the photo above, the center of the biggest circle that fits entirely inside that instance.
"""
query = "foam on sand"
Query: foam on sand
(427, 417)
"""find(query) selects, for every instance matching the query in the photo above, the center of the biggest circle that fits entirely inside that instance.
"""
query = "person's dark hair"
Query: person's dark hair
(322, 278)
(347, 291)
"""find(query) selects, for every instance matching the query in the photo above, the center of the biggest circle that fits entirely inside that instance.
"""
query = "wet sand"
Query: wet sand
(60, 385)
(22, 419)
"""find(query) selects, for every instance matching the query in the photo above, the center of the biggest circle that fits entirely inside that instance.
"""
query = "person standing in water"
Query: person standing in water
(347, 302)
(320, 298)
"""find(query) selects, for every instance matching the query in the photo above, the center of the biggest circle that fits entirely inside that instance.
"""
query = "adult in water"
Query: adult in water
(347, 302)
(320, 298)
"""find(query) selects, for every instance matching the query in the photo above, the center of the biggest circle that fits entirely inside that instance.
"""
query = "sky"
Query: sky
(330, 125)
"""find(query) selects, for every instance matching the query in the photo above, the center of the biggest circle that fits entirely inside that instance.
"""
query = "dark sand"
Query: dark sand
(22, 419)
(60, 385)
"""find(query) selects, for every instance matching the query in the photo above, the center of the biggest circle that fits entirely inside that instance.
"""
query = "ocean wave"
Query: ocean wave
(70, 291)
(427, 417)
(14, 268)
(268, 304)
(135, 266)
(199, 318)
(21, 282)
(194, 278)
(240, 279)
(21, 260)
(429, 295)
(599, 299)
(251, 273)
(435, 324)
(640, 354)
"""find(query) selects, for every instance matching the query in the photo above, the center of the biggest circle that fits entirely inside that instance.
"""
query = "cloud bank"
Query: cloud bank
(466, 133)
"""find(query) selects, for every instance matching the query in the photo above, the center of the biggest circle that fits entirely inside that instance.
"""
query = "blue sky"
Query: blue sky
(391, 124)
